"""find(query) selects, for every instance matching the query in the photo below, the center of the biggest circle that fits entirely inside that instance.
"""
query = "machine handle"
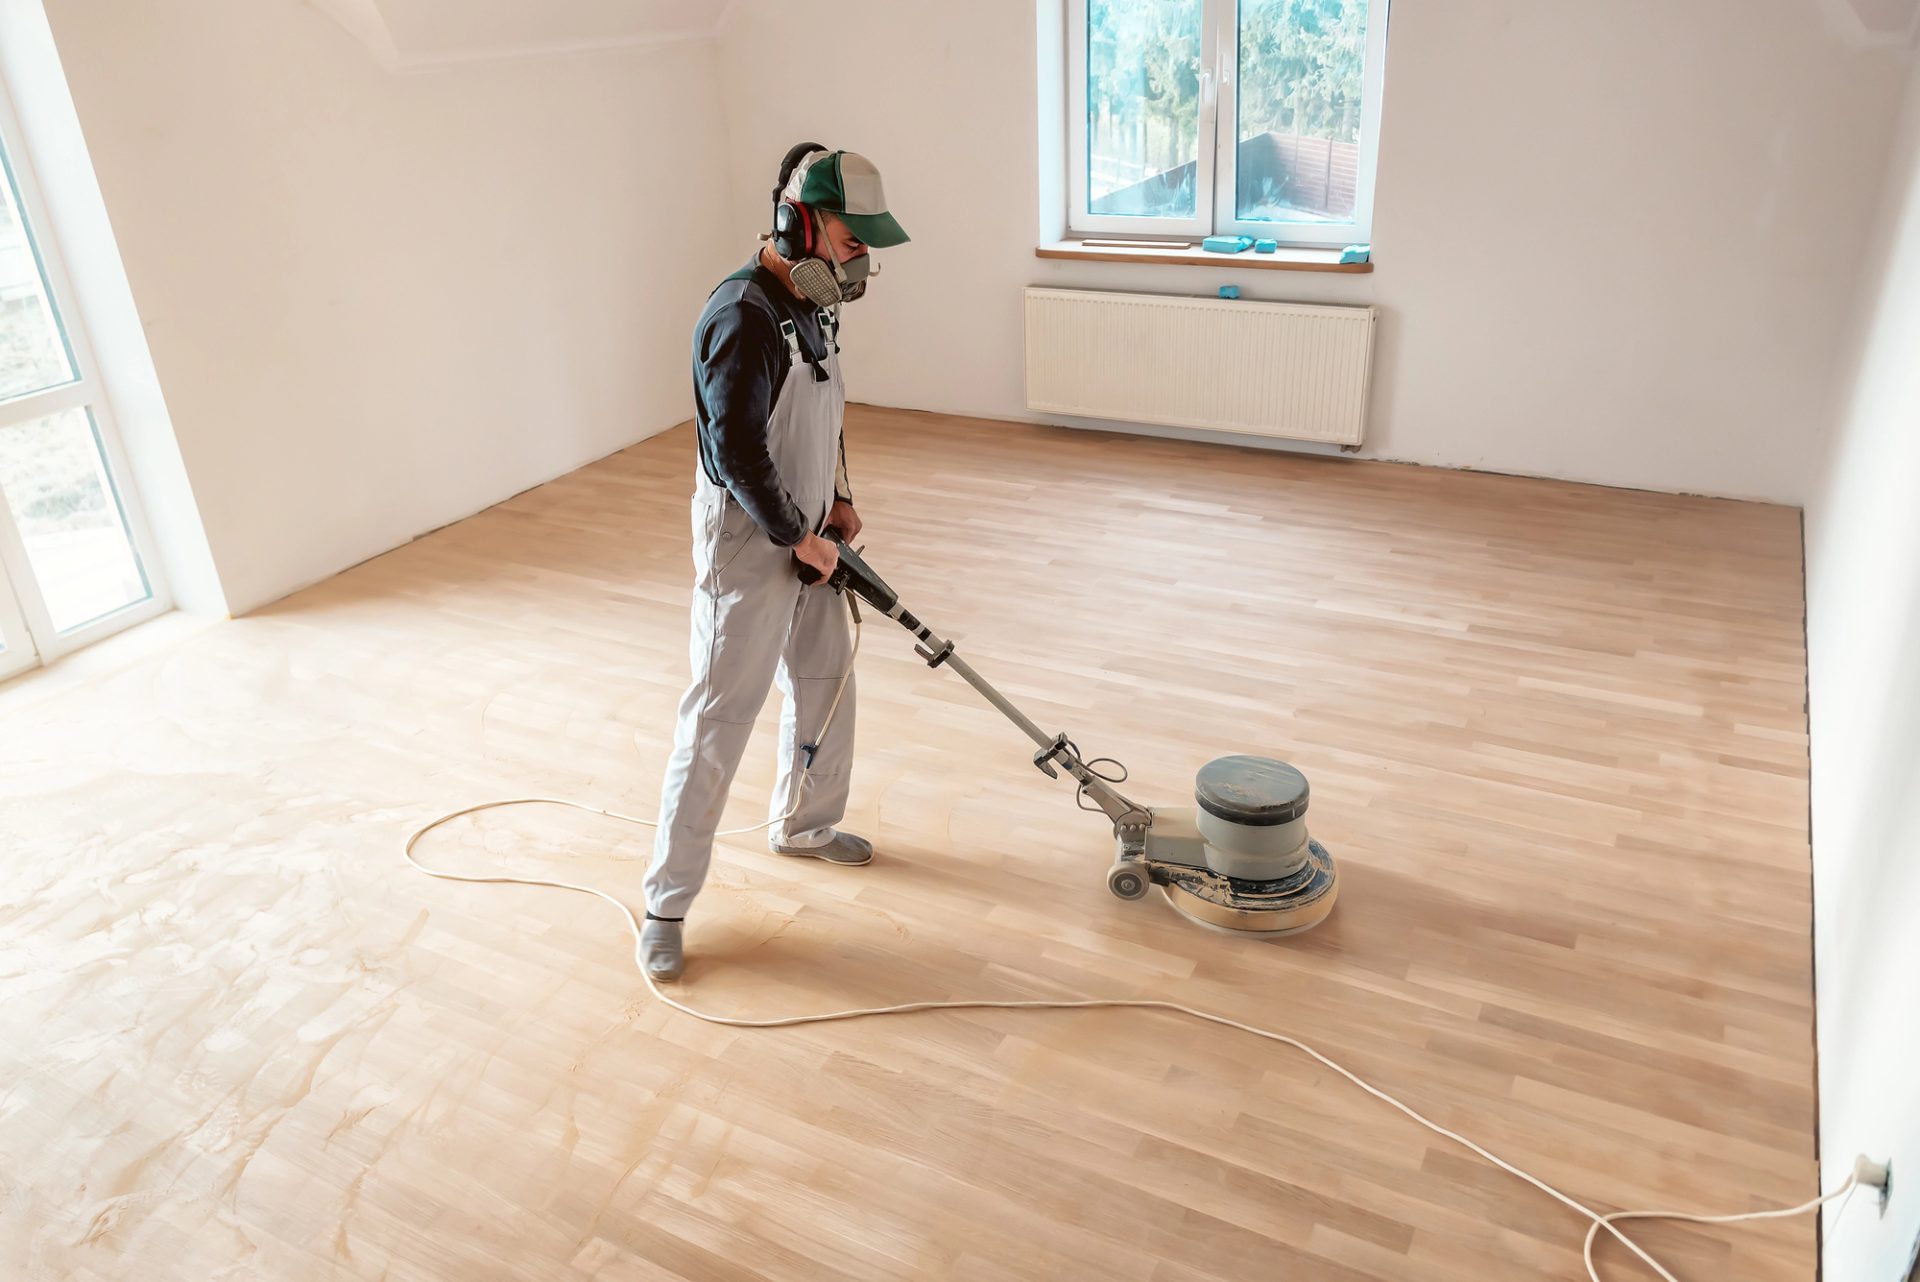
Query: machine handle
(856, 576)
(808, 575)
(853, 575)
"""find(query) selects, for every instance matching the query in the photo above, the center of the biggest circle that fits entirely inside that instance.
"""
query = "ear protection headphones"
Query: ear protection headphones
(792, 227)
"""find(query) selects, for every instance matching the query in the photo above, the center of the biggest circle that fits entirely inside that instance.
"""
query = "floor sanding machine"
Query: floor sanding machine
(1240, 859)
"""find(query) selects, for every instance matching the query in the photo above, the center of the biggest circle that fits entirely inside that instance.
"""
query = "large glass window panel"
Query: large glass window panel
(1143, 107)
(1302, 69)
(54, 477)
(33, 350)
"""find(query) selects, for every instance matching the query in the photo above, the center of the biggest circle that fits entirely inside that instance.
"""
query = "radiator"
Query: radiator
(1290, 370)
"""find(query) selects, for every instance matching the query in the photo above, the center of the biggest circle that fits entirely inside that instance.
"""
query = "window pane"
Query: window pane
(1143, 106)
(54, 479)
(1302, 64)
(33, 355)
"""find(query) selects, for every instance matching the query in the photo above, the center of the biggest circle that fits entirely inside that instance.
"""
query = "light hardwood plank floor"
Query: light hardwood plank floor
(1556, 736)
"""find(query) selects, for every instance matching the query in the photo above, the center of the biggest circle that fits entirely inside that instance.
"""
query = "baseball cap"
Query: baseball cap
(847, 184)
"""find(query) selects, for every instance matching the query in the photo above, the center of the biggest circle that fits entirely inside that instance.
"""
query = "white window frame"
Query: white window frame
(19, 654)
(1215, 178)
(84, 391)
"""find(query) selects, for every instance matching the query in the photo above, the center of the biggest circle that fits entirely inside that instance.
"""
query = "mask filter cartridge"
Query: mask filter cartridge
(816, 280)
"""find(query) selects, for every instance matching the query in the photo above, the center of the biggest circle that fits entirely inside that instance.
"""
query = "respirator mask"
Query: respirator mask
(827, 282)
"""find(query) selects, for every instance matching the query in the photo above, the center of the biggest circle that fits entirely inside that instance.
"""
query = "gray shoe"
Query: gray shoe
(660, 950)
(845, 848)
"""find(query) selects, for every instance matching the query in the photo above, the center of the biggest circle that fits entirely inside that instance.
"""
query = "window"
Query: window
(74, 558)
(1201, 117)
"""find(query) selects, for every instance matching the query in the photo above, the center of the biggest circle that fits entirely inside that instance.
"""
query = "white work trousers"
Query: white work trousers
(754, 622)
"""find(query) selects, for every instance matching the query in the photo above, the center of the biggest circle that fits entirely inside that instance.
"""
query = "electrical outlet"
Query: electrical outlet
(1874, 1175)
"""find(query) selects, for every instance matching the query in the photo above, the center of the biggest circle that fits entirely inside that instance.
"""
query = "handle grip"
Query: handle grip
(806, 573)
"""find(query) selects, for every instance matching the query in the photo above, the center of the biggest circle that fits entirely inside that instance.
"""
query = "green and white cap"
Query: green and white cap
(847, 184)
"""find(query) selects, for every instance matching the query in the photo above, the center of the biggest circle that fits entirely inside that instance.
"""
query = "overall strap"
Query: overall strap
(796, 351)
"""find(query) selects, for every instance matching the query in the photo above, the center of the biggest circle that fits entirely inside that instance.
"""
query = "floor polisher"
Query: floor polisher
(1240, 859)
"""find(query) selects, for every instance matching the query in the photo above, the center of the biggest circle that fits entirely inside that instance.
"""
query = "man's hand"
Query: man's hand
(843, 518)
(822, 554)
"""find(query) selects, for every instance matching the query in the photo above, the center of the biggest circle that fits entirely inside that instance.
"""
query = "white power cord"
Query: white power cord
(1599, 1221)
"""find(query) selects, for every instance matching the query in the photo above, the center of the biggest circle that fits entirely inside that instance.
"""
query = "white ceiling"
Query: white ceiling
(411, 34)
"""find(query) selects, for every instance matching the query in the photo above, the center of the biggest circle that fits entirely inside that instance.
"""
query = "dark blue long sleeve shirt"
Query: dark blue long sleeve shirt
(740, 362)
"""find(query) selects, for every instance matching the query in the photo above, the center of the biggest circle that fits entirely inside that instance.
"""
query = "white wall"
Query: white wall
(1863, 637)
(1614, 241)
(378, 303)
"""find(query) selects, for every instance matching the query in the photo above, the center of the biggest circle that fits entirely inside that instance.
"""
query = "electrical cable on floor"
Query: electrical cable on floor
(1598, 1221)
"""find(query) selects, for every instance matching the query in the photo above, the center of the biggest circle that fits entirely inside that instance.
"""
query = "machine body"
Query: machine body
(1239, 859)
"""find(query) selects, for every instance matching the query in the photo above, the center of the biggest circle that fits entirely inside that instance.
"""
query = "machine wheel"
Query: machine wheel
(1128, 881)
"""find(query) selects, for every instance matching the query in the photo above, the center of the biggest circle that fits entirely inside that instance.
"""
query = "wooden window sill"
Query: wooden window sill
(1281, 260)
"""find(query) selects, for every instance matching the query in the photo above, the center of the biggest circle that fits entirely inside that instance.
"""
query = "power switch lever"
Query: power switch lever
(1045, 757)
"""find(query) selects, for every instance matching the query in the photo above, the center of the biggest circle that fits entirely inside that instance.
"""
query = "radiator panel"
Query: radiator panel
(1292, 370)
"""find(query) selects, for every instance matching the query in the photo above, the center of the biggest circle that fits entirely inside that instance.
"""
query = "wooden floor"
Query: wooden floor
(1556, 738)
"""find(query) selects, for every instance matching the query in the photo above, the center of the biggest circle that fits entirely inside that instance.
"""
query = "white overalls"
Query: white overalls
(753, 622)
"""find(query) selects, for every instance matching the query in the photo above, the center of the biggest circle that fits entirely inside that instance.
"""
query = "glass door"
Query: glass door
(75, 560)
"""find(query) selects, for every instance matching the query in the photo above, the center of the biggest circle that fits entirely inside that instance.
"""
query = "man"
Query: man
(772, 477)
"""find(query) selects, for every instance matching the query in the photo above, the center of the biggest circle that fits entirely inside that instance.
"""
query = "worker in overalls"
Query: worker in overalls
(769, 405)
